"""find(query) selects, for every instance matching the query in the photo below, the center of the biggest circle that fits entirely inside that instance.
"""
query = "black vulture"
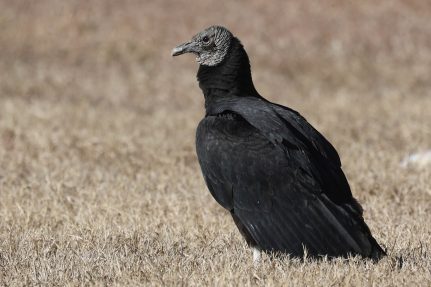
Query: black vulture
(279, 178)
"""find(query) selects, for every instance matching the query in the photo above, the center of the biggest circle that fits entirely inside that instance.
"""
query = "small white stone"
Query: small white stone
(420, 159)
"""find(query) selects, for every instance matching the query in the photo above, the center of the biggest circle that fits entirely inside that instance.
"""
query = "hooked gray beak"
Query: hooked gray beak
(189, 47)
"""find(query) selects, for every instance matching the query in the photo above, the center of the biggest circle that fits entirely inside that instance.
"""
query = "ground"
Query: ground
(99, 180)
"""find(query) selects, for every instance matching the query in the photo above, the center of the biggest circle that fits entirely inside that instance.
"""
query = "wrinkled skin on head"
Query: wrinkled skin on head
(210, 46)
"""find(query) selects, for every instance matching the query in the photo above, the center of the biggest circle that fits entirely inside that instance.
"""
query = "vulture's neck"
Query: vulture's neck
(231, 78)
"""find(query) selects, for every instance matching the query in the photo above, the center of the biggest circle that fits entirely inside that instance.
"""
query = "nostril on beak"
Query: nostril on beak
(189, 47)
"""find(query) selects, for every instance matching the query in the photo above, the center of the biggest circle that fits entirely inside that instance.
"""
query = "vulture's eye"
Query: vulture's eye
(205, 39)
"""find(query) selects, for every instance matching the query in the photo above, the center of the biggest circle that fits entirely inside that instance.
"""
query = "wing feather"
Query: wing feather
(285, 182)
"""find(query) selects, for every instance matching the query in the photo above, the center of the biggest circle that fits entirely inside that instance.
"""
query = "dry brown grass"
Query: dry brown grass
(99, 181)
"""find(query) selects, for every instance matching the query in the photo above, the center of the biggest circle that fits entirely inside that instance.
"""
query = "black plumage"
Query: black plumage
(280, 178)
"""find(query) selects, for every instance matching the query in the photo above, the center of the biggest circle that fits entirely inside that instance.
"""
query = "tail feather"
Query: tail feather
(377, 251)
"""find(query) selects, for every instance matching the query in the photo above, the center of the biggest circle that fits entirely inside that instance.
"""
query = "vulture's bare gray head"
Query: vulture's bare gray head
(210, 46)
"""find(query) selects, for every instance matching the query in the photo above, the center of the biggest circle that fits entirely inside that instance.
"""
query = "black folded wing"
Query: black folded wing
(285, 186)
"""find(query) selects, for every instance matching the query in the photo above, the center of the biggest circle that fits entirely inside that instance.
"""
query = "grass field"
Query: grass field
(99, 181)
